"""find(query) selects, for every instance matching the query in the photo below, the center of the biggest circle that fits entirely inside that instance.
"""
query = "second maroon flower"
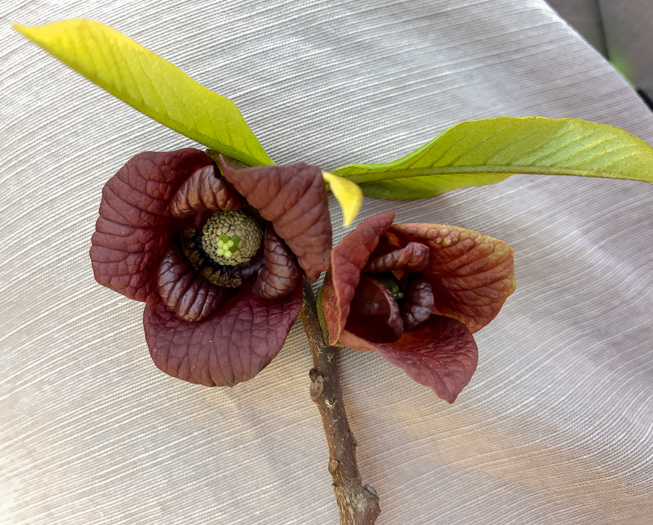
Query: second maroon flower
(415, 293)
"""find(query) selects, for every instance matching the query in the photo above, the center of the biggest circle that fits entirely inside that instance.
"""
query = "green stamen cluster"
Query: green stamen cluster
(227, 245)
(231, 237)
(191, 245)
(390, 282)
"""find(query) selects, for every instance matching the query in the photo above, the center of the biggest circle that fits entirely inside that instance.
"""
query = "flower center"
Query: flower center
(391, 283)
(231, 237)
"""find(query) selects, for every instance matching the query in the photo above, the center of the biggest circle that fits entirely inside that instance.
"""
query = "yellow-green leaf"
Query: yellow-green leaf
(348, 194)
(151, 85)
(479, 152)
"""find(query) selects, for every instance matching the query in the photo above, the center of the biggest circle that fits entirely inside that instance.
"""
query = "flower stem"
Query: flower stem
(358, 503)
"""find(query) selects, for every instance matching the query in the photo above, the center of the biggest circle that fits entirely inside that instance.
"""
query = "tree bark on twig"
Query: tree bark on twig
(358, 503)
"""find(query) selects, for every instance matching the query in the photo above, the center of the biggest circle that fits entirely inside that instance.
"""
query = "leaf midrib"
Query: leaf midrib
(472, 170)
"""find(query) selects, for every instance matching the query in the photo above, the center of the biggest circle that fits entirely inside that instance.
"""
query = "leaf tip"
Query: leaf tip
(22, 29)
(348, 194)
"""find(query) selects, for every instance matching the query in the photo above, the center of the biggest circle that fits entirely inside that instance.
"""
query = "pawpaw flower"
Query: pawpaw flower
(217, 255)
(416, 293)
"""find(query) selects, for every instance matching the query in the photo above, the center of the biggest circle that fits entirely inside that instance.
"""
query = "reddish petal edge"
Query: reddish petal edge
(134, 224)
(441, 354)
(228, 348)
(347, 261)
(471, 274)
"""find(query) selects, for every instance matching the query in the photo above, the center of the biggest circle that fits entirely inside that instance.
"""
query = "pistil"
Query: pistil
(231, 237)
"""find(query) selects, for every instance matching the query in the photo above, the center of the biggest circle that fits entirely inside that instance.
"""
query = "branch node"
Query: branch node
(317, 385)
(333, 468)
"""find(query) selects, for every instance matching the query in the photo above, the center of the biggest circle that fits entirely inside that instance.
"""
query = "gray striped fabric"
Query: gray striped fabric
(620, 29)
(556, 427)
(585, 17)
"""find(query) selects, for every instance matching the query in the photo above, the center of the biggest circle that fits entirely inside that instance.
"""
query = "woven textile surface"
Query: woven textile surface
(556, 426)
(622, 30)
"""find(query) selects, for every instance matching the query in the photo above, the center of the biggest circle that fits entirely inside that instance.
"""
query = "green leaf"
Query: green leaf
(151, 85)
(479, 152)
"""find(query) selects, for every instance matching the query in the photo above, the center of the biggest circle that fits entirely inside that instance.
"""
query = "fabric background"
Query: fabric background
(586, 17)
(556, 427)
(622, 30)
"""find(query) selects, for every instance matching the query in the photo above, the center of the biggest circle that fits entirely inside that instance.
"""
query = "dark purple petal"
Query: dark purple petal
(294, 199)
(181, 288)
(413, 257)
(471, 274)
(440, 353)
(134, 224)
(280, 276)
(124, 256)
(374, 313)
(205, 190)
(418, 303)
(347, 261)
(229, 347)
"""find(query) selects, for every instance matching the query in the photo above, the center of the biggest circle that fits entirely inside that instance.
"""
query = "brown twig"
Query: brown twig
(358, 503)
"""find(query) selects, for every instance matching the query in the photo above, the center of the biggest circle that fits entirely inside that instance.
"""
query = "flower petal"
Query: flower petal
(347, 261)
(205, 190)
(471, 274)
(374, 313)
(181, 288)
(440, 354)
(414, 257)
(134, 224)
(294, 199)
(418, 303)
(280, 276)
(230, 347)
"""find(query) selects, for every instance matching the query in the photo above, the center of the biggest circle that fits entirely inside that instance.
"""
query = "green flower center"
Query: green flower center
(391, 283)
(231, 237)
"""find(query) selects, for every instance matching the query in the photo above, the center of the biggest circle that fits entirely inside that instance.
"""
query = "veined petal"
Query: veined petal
(418, 303)
(440, 353)
(280, 275)
(205, 190)
(471, 274)
(414, 257)
(294, 199)
(229, 347)
(183, 289)
(134, 224)
(347, 261)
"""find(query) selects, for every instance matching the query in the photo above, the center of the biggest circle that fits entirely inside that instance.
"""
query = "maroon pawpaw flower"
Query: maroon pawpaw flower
(415, 293)
(217, 256)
